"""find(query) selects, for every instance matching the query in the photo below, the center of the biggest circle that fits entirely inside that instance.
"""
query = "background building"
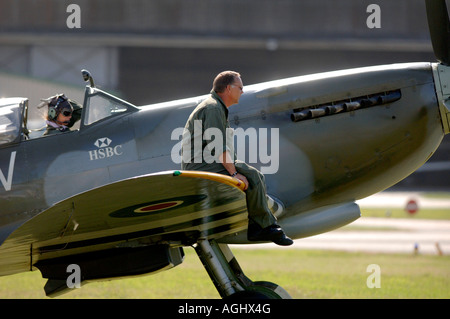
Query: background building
(150, 51)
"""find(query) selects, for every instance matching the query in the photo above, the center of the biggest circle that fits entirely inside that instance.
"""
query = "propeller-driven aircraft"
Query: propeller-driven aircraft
(110, 198)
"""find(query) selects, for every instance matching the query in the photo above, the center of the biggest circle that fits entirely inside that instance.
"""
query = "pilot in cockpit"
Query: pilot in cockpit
(62, 113)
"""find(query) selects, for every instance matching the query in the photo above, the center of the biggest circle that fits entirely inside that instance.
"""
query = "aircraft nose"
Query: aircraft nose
(442, 83)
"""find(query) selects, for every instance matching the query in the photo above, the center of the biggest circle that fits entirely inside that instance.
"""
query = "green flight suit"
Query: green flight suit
(213, 114)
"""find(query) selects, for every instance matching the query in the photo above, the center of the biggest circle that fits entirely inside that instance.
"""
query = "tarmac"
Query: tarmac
(386, 235)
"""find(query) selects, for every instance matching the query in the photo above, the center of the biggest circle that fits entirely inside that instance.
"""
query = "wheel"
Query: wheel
(278, 290)
(262, 290)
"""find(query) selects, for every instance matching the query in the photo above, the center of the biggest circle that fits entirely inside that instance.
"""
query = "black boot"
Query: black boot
(272, 233)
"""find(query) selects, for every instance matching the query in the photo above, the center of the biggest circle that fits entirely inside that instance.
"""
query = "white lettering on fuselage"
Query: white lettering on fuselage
(7, 181)
(104, 150)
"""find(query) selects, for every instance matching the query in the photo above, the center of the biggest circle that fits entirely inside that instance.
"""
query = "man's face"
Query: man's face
(64, 117)
(236, 90)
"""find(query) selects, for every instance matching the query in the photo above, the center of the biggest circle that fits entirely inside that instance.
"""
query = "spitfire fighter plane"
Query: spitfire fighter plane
(109, 197)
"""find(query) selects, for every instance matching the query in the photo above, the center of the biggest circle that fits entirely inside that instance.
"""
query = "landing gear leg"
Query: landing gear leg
(228, 277)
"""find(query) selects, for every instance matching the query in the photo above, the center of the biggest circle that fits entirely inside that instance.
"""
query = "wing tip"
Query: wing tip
(176, 173)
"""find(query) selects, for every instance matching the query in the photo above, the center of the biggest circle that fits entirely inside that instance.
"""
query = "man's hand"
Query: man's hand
(228, 163)
(243, 179)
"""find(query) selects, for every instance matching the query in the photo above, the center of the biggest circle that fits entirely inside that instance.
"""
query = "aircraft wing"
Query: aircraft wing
(165, 206)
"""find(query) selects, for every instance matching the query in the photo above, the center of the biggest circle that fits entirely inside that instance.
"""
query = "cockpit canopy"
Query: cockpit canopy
(99, 106)
(12, 111)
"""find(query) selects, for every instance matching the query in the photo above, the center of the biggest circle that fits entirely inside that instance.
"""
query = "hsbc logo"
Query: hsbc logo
(102, 142)
(104, 149)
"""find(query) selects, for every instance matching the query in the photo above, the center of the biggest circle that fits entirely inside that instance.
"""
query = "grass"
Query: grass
(303, 273)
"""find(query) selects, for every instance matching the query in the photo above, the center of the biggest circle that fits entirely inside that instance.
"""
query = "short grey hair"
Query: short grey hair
(223, 79)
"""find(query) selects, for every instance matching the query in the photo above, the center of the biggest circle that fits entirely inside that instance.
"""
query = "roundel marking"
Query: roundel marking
(155, 207)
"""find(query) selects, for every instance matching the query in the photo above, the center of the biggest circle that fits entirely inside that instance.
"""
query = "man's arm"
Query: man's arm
(225, 159)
